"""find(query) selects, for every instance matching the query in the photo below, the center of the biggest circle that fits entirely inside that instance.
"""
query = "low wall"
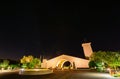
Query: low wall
(35, 71)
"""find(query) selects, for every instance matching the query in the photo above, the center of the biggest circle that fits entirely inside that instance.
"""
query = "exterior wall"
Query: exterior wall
(79, 62)
(87, 49)
(44, 64)
(75, 61)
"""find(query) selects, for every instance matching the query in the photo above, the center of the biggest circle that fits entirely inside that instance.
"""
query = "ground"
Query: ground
(65, 74)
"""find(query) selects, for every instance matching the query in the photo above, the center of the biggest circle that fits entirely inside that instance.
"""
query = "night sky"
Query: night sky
(50, 28)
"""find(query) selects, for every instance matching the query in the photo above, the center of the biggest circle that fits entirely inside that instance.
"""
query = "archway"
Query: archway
(67, 65)
(64, 64)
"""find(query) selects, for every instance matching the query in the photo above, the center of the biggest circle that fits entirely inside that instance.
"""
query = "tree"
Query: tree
(112, 59)
(26, 59)
(30, 62)
(92, 64)
(4, 64)
(98, 56)
(35, 63)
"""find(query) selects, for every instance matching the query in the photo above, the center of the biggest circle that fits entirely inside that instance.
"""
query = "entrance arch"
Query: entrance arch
(64, 64)
(67, 65)
(58, 62)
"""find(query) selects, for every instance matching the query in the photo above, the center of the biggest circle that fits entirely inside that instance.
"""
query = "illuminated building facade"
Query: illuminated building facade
(75, 62)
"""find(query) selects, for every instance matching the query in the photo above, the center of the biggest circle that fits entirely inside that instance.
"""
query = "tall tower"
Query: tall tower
(87, 49)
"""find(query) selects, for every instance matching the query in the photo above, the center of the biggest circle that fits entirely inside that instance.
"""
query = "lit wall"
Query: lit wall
(87, 49)
(79, 62)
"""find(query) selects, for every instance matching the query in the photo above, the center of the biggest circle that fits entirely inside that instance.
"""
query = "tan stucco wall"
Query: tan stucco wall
(87, 49)
(79, 62)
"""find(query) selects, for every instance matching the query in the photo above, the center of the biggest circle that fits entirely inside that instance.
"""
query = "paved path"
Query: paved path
(76, 74)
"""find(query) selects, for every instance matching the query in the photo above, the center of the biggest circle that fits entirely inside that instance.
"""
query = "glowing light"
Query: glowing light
(22, 69)
(100, 75)
(7, 71)
(108, 69)
(35, 71)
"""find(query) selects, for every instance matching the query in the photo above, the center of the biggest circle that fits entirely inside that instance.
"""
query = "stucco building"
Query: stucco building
(72, 62)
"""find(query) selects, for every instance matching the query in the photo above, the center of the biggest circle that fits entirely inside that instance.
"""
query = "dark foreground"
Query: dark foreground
(66, 74)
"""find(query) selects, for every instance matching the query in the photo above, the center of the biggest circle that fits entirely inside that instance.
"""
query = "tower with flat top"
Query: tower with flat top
(87, 49)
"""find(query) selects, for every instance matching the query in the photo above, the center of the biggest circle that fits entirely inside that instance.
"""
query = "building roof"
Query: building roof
(64, 55)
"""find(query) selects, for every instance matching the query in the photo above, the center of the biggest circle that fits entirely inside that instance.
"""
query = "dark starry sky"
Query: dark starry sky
(50, 28)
